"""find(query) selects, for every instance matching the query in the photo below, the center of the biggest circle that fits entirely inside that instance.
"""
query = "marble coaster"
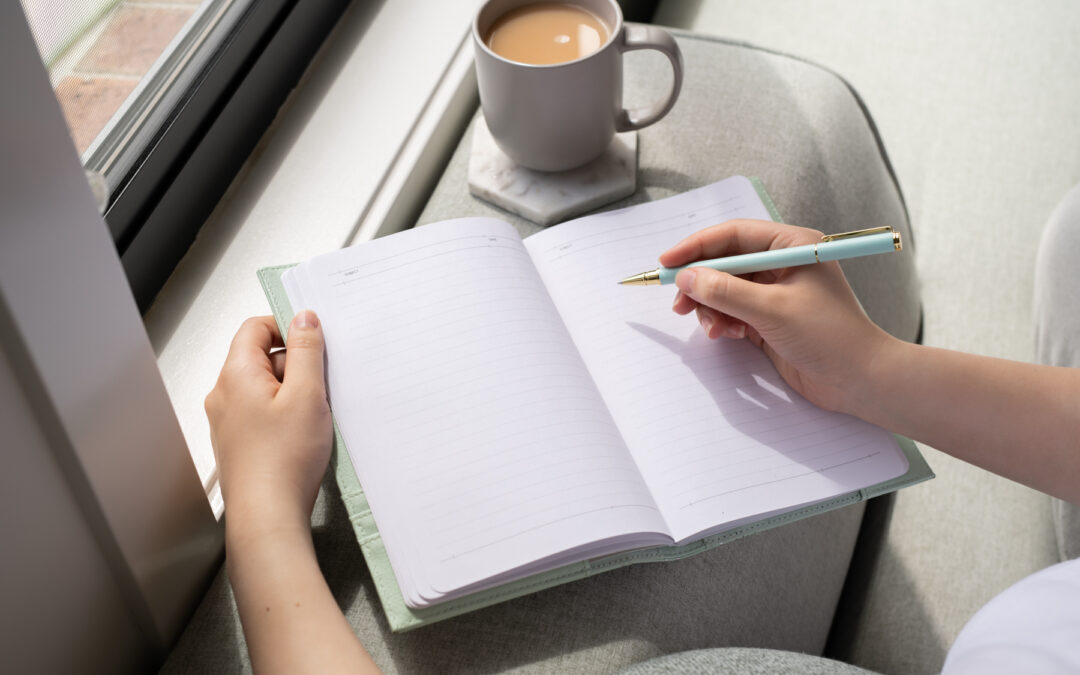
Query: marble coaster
(547, 198)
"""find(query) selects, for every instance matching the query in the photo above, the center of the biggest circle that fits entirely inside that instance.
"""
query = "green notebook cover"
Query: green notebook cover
(403, 618)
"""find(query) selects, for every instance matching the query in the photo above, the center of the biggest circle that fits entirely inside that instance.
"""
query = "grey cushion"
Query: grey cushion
(736, 661)
(1066, 528)
(803, 132)
(1057, 328)
(1057, 286)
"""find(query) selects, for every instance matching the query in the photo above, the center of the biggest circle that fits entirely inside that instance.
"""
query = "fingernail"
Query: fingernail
(736, 332)
(674, 302)
(685, 280)
(306, 319)
(707, 324)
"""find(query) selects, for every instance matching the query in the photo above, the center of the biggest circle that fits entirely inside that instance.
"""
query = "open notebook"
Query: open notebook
(516, 418)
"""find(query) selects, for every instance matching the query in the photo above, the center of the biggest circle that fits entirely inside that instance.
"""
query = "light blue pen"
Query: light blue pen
(831, 247)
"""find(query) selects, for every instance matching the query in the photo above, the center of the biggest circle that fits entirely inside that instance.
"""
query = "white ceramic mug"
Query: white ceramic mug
(560, 116)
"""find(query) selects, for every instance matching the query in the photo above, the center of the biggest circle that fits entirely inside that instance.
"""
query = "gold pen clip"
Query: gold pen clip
(856, 233)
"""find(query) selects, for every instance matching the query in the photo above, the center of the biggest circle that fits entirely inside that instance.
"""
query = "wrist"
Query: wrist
(874, 399)
(250, 517)
(868, 398)
(263, 543)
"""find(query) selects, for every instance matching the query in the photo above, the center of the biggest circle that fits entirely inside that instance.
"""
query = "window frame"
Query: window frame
(185, 165)
(163, 90)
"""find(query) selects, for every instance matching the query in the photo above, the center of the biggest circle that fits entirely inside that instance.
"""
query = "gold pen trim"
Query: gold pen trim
(859, 233)
(650, 278)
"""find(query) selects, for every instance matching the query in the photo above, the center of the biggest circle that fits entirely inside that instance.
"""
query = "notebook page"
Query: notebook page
(714, 429)
(479, 438)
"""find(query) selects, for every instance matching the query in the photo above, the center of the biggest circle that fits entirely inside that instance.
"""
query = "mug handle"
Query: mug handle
(637, 36)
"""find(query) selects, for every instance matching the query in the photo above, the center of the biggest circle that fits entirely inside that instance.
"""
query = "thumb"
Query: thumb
(304, 354)
(742, 299)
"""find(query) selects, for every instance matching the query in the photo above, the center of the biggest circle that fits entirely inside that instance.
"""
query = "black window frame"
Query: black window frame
(158, 206)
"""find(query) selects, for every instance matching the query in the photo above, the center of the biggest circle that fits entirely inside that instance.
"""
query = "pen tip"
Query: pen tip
(643, 279)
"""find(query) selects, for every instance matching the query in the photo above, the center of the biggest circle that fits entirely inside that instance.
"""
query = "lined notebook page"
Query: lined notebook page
(716, 432)
(479, 437)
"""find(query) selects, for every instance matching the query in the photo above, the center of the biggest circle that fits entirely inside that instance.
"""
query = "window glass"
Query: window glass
(165, 100)
(99, 51)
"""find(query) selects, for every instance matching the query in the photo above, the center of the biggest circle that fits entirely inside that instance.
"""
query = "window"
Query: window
(166, 99)
(99, 52)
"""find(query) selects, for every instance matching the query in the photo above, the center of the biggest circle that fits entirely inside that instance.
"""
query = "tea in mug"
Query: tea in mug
(544, 33)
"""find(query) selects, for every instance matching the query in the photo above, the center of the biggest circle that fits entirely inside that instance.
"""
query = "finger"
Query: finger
(717, 324)
(734, 237)
(277, 362)
(708, 318)
(733, 329)
(304, 355)
(252, 344)
(683, 304)
(744, 300)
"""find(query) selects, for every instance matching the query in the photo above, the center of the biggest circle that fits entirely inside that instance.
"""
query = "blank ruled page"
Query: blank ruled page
(479, 438)
(715, 431)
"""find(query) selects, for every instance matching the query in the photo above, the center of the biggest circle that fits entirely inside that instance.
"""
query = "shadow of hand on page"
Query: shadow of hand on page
(752, 399)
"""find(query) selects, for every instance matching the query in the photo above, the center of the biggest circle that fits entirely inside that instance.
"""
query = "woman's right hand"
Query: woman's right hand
(806, 319)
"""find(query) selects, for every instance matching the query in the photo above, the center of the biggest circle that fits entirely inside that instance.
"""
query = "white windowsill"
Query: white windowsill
(356, 144)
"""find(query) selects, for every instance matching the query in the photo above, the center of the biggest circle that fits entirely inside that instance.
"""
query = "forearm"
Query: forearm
(1016, 419)
(291, 621)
